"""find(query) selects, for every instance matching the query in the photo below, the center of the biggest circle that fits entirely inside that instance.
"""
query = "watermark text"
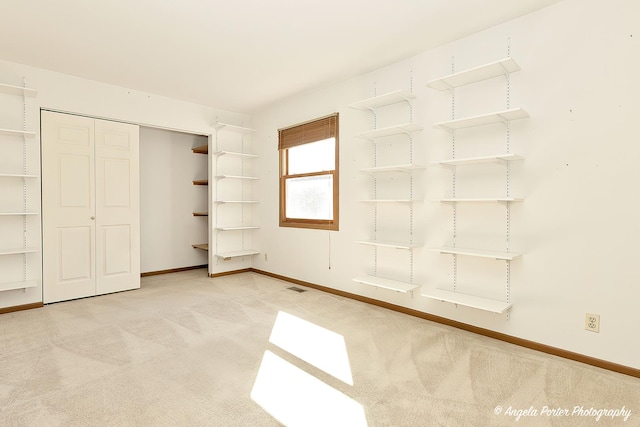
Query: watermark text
(557, 411)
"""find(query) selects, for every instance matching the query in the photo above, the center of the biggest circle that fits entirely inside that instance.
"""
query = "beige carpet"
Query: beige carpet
(243, 350)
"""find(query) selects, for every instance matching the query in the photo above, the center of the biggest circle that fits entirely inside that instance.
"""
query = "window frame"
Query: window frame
(330, 129)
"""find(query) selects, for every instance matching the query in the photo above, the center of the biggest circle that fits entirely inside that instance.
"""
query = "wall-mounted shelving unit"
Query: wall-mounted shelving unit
(20, 245)
(234, 229)
(373, 105)
(501, 68)
(202, 149)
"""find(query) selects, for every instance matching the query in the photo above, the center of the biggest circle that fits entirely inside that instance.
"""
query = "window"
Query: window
(309, 174)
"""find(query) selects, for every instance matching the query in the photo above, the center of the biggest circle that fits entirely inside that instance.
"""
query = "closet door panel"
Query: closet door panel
(118, 244)
(117, 207)
(76, 243)
(69, 207)
(117, 183)
(74, 180)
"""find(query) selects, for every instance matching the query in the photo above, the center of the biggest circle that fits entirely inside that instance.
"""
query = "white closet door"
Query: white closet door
(117, 206)
(68, 207)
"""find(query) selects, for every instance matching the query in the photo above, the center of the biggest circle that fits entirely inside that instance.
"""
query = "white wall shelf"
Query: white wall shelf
(18, 285)
(201, 214)
(203, 246)
(408, 168)
(393, 285)
(237, 228)
(372, 135)
(13, 175)
(466, 300)
(388, 244)
(13, 132)
(236, 254)
(246, 178)
(220, 202)
(481, 253)
(18, 213)
(498, 158)
(235, 154)
(483, 119)
(473, 75)
(483, 200)
(383, 100)
(233, 128)
(18, 90)
(17, 251)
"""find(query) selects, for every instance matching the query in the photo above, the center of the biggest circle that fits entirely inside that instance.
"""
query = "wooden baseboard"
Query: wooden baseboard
(21, 307)
(172, 270)
(610, 366)
(229, 273)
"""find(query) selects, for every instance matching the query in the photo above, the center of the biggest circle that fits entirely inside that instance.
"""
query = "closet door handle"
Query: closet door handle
(93, 217)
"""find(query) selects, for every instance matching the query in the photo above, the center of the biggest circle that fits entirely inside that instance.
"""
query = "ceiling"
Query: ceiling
(238, 55)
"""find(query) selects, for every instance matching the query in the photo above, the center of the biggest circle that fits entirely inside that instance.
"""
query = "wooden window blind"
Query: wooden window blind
(304, 133)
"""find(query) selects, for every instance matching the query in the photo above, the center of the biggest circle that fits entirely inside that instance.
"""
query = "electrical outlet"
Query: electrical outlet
(266, 258)
(592, 322)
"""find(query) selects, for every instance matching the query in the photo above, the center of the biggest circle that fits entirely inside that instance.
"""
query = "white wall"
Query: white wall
(168, 199)
(578, 226)
(74, 95)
